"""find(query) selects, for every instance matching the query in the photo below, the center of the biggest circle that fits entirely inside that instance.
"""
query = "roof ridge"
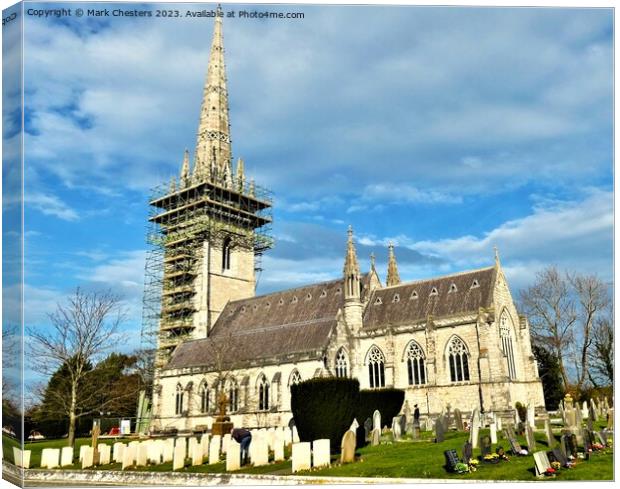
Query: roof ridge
(440, 277)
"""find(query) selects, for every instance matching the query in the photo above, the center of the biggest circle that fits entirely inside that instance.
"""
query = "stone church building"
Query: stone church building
(455, 339)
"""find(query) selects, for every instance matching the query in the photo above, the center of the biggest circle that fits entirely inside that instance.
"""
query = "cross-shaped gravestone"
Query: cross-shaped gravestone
(451, 460)
(485, 445)
(439, 430)
(467, 452)
(541, 463)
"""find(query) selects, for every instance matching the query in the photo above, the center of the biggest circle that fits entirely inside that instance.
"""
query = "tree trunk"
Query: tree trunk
(72, 417)
(562, 369)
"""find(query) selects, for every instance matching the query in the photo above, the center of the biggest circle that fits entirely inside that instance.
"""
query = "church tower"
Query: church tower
(210, 224)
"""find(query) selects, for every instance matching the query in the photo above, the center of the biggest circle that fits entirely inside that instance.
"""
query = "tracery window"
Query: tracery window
(178, 405)
(458, 360)
(376, 368)
(504, 333)
(204, 398)
(342, 364)
(263, 394)
(416, 367)
(226, 248)
(295, 378)
(233, 396)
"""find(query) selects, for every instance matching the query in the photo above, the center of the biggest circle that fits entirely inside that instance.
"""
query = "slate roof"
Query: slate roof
(282, 323)
(300, 320)
(415, 301)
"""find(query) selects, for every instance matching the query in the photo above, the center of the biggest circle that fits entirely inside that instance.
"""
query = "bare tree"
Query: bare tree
(602, 351)
(551, 309)
(592, 297)
(81, 333)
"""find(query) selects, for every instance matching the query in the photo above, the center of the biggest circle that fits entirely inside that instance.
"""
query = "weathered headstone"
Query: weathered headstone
(475, 428)
(485, 445)
(493, 433)
(278, 447)
(50, 458)
(178, 460)
(452, 459)
(407, 412)
(376, 420)
(458, 419)
(104, 454)
(129, 456)
(21, 458)
(88, 461)
(376, 437)
(301, 457)
(320, 453)
(498, 420)
(142, 454)
(368, 428)
(584, 410)
(214, 449)
(259, 452)
(403, 424)
(197, 458)
(549, 434)
(515, 447)
(347, 447)
(154, 452)
(233, 456)
(600, 439)
(117, 452)
(610, 417)
(529, 437)
(415, 429)
(354, 425)
(396, 427)
(439, 430)
(167, 453)
(467, 452)
(66, 456)
(541, 463)
(531, 417)
(204, 443)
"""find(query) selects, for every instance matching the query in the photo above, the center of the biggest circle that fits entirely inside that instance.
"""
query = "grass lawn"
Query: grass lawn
(409, 459)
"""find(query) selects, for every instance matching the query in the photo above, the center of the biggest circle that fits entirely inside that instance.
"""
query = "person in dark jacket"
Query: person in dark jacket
(244, 438)
(416, 413)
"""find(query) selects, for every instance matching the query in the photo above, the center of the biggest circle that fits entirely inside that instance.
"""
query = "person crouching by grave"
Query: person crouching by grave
(244, 438)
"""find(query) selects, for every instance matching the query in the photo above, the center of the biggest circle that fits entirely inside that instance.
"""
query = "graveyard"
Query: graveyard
(583, 448)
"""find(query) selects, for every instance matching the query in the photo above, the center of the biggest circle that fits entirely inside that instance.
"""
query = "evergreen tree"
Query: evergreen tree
(550, 375)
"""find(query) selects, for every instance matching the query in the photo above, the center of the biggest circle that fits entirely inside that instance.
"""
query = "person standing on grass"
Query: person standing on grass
(244, 438)
(416, 414)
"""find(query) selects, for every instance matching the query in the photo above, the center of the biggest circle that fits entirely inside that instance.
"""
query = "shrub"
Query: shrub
(387, 401)
(522, 410)
(324, 408)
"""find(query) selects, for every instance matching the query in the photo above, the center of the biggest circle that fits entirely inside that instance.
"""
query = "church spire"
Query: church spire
(185, 170)
(392, 273)
(213, 151)
(351, 267)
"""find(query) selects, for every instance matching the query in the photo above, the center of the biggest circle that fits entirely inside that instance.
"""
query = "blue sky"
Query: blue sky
(446, 130)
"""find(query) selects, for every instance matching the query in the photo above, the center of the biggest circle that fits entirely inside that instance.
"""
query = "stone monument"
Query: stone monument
(222, 424)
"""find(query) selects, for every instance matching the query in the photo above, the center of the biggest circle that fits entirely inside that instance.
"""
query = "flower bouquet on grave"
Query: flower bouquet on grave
(461, 468)
(491, 458)
(556, 466)
(550, 472)
(502, 454)
(597, 446)
(473, 464)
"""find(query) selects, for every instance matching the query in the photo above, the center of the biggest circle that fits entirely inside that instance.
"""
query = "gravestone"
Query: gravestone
(347, 447)
(196, 454)
(439, 430)
(600, 439)
(485, 445)
(367, 428)
(475, 428)
(233, 456)
(178, 460)
(66, 456)
(541, 463)
(468, 452)
(584, 410)
(529, 437)
(87, 460)
(168, 450)
(259, 451)
(301, 456)
(104, 454)
(593, 410)
(226, 441)
(375, 437)
(416, 429)
(354, 426)
(214, 449)
(295, 435)
(320, 453)
(50, 458)
(376, 420)
(403, 424)
(458, 419)
(610, 417)
(153, 451)
(117, 452)
(278, 446)
(498, 420)
(531, 416)
(142, 454)
(396, 427)
(549, 434)
(493, 433)
(559, 456)
(569, 445)
(515, 447)
(129, 455)
(204, 443)
(451, 460)
(407, 413)
(22, 458)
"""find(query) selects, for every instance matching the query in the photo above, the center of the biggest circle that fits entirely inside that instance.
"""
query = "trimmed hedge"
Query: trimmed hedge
(324, 408)
(387, 401)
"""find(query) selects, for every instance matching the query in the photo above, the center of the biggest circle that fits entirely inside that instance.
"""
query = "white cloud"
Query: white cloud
(51, 205)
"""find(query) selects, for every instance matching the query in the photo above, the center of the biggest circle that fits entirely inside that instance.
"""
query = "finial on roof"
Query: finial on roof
(496, 256)
(351, 267)
(393, 278)
(185, 169)
(372, 260)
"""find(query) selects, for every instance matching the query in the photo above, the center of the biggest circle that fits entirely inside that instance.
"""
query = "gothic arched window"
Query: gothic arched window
(295, 378)
(233, 396)
(204, 398)
(458, 360)
(226, 254)
(376, 368)
(342, 364)
(416, 368)
(504, 333)
(178, 404)
(263, 394)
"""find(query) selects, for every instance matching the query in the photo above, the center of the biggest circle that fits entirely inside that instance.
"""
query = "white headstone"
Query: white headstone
(396, 427)
(301, 457)
(129, 456)
(50, 458)
(26, 459)
(225, 441)
(18, 458)
(117, 452)
(376, 420)
(474, 429)
(82, 450)
(498, 420)
(214, 450)
(295, 435)
(168, 450)
(354, 426)
(178, 460)
(278, 448)
(531, 417)
(104, 454)
(197, 454)
(87, 460)
(271, 434)
(493, 430)
(142, 454)
(66, 456)
(259, 451)
(181, 443)
(320, 453)
(192, 442)
(153, 451)
(233, 456)
(204, 443)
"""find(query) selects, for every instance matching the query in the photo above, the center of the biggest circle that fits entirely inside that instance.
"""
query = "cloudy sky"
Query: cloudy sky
(445, 130)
